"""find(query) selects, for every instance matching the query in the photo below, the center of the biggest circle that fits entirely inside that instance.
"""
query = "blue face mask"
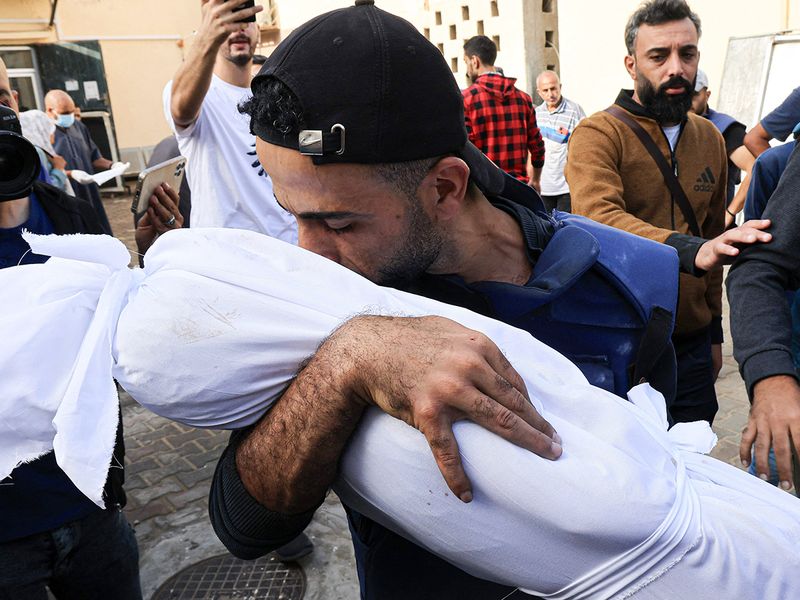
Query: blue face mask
(65, 120)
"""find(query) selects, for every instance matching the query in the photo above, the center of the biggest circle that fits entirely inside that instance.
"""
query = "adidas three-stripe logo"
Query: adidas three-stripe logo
(706, 181)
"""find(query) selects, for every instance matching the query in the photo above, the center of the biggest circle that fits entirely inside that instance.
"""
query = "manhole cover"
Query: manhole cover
(227, 577)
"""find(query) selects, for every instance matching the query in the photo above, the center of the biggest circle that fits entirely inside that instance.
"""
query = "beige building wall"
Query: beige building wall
(142, 44)
(519, 26)
(592, 45)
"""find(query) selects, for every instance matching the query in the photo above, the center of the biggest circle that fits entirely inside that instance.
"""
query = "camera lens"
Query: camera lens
(19, 166)
(12, 163)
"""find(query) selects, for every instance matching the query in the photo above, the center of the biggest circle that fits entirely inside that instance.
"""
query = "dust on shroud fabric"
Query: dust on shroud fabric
(213, 328)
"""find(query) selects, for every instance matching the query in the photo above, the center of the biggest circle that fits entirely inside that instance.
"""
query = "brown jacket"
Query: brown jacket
(614, 180)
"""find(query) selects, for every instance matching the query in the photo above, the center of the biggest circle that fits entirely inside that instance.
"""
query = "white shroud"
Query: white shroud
(215, 326)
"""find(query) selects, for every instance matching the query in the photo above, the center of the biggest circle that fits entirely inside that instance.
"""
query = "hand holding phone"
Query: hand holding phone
(162, 216)
(170, 172)
(220, 18)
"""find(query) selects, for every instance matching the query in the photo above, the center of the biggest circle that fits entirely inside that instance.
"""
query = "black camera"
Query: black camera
(19, 162)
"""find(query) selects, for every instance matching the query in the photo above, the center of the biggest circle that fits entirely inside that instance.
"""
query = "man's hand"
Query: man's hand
(58, 162)
(162, 215)
(774, 422)
(431, 372)
(537, 185)
(716, 359)
(219, 20)
(724, 248)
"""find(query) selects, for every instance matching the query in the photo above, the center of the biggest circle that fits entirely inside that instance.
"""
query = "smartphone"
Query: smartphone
(242, 6)
(170, 171)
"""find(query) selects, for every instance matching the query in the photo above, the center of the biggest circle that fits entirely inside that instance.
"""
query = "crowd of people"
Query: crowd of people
(364, 153)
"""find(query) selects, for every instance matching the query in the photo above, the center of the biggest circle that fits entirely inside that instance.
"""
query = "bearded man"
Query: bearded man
(614, 178)
(228, 184)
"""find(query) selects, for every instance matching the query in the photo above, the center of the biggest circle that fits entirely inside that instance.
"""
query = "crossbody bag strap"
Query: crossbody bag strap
(669, 176)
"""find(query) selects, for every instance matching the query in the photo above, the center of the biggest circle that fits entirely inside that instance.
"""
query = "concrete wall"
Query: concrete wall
(592, 47)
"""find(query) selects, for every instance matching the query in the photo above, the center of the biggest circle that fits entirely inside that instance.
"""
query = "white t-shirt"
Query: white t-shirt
(229, 186)
(672, 134)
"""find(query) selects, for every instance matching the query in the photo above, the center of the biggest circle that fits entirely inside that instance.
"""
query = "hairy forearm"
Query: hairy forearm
(290, 459)
(191, 82)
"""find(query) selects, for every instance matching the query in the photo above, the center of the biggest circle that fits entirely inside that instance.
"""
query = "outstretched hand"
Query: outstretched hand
(724, 248)
(219, 20)
(431, 372)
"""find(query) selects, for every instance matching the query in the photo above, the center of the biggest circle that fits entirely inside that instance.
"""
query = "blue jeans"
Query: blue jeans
(93, 558)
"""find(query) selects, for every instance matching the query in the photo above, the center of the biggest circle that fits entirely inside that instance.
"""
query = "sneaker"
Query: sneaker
(298, 548)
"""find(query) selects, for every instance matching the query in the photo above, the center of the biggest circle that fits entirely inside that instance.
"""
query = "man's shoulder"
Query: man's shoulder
(702, 128)
(472, 90)
(776, 158)
(601, 120)
(69, 214)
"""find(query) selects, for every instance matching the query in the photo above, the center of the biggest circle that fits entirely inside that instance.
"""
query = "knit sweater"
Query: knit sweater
(760, 318)
(614, 180)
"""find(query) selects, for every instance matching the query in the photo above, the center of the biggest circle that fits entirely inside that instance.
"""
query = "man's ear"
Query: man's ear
(630, 66)
(445, 187)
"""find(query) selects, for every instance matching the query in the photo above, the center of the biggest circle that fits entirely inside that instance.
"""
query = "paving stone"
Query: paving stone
(149, 493)
(134, 481)
(191, 478)
(132, 467)
(160, 506)
(216, 442)
(204, 458)
(163, 471)
(181, 499)
(163, 433)
(153, 449)
(192, 436)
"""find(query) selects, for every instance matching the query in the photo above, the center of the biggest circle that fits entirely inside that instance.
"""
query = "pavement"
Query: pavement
(169, 468)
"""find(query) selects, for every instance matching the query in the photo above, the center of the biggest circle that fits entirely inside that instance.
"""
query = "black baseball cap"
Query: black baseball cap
(373, 90)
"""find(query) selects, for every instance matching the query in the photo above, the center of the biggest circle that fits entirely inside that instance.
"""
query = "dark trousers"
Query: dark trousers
(93, 558)
(696, 398)
(560, 202)
(392, 568)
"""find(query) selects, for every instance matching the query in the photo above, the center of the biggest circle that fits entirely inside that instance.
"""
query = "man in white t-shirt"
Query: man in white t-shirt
(229, 186)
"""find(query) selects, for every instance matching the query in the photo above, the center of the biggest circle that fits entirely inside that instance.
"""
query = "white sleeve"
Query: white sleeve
(180, 132)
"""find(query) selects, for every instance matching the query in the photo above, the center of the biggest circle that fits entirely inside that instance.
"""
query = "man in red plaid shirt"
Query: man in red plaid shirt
(500, 119)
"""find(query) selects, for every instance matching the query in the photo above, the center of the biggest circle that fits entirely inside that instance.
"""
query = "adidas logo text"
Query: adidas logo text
(706, 181)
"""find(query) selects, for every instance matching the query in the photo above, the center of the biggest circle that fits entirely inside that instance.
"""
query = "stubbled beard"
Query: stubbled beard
(240, 60)
(415, 254)
(665, 108)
